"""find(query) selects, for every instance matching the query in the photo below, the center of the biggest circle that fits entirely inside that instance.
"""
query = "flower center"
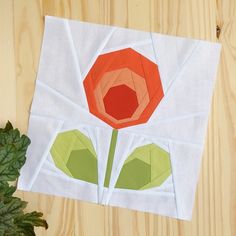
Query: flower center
(120, 102)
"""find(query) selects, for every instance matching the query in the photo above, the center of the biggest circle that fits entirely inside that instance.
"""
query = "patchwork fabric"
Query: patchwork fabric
(119, 117)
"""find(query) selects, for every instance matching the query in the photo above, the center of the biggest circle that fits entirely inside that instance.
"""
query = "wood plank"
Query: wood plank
(7, 64)
(21, 28)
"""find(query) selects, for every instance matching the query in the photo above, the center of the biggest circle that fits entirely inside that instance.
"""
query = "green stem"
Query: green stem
(110, 157)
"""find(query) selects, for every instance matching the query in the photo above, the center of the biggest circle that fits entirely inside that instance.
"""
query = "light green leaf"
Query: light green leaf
(74, 154)
(146, 167)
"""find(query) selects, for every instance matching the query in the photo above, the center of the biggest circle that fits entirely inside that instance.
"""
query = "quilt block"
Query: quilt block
(119, 116)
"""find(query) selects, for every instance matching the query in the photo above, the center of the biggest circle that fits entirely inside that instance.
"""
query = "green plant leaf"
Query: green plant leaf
(6, 190)
(7, 127)
(146, 167)
(9, 209)
(13, 220)
(74, 154)
(13, 148)
(26, 222)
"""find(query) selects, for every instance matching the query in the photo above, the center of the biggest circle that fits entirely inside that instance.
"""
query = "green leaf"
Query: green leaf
(74, 154)
(6, 190)
(7, 127)
(146, 167)
(13, 220)
(13, 148)
(33, 219)
(9, 208)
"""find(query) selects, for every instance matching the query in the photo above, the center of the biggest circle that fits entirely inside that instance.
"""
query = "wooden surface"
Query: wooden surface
(21, 28)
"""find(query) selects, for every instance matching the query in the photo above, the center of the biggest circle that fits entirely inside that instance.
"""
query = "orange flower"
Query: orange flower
(123, 88)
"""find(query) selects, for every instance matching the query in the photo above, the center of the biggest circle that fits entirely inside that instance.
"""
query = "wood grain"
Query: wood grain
(21, 29)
